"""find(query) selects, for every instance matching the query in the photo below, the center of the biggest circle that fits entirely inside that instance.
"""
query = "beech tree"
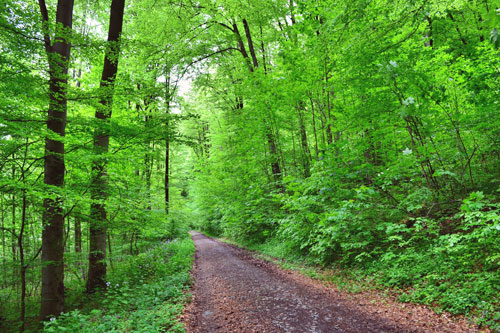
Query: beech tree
(58, 51)
(98, 226)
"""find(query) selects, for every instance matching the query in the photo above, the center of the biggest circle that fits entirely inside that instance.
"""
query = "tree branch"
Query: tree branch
(45, 24)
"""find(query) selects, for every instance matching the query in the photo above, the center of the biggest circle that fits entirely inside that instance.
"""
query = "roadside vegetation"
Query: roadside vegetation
(145, 293)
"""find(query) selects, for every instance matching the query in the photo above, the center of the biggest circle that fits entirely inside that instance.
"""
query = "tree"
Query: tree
(97, 252)
(58, 52)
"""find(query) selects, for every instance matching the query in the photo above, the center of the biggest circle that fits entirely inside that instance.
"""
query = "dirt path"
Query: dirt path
(234, 292)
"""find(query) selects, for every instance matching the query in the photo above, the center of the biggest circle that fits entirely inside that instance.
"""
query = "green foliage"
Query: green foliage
(144, 294)
(357, 134)
(458, 271)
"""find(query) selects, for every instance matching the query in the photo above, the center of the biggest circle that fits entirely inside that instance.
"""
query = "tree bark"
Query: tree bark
(4, 243)
(167, 170)
(250, 43)
(314, 129)
(329, 136)
(242, 48)
(13, 229)
(78, 235)
(52, 303)
(98, 225)
(78, 245)
(167, 139)
(21, 260)
(148, 156)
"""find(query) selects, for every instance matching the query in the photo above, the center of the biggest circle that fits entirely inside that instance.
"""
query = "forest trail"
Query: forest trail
(235, 292)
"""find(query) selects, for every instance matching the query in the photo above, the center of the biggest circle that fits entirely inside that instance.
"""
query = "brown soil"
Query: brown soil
(235, 292)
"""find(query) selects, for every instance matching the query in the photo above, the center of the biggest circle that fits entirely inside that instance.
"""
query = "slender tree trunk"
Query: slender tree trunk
(314, 129)
(167, 170)
(329, 136)
(430, 37)
(263, 50)
(67, 230)
(98, 225)
(464, 42)
(110, 251)
(275, 166)
(306, 153)
(148, 170)
(21, 261)
(78, 245)
(131, 247)
(148, 156)
(167, 140)
(292, 15)
(294, 150)
(322, 120)
(78, 235)
(206, 134)
(250, 43)
(149, 173)
(13, 239)
(4, 244)
(52, 303)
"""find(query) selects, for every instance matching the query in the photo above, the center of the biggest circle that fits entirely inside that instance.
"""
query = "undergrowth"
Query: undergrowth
(144, 294)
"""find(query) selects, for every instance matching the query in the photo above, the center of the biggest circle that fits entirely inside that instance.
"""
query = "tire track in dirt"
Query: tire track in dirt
(234, 292)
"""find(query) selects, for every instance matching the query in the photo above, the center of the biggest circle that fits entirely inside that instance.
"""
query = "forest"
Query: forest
(361, 136)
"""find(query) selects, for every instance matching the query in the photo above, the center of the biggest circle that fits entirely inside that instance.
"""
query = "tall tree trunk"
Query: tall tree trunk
(4, 243)
(148, 170)
(167, 162)
(13, 229)
(110, 252)
(21, 260)
(98, 228)
(149, 160)
(78, 245)
(430, 37)
(314, 129)
(167, 139)
(167, 170)
(292, 15)
(329, 136)
(250, 43)
(306, 152)
(78, 235)
(52, 303)
(275, 164)
(275, 160)
(148, 156)
(294, 150)
(241, 47)
(205, 128)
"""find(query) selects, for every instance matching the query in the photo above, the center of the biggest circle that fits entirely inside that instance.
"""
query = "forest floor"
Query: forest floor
(235, 292)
